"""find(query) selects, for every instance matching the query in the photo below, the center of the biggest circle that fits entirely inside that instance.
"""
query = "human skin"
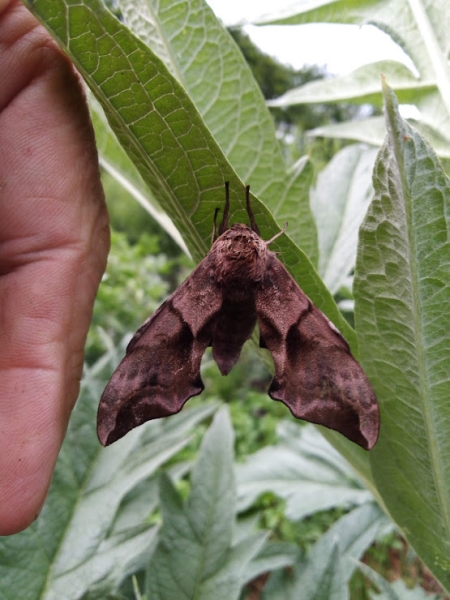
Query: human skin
(54, 239)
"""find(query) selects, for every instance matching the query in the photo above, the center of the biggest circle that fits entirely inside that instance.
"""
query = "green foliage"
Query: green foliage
(133, 220)
(396, 590)
(196, 556)
(187, 111)
(420, 30)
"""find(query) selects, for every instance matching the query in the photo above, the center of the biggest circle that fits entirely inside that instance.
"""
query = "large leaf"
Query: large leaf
(421, 29)
(304, 470)
(80, 542)
(195, 558)
(402, 294)
(204, 58)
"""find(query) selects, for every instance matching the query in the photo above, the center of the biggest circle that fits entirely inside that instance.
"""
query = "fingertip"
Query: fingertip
(20, 506)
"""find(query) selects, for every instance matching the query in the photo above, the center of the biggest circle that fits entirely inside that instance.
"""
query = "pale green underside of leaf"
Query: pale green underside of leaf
(326, 571)
(166, 138)
(362, 85)
(420, 29)
(373, 131)
(396, 590)
(402, 293)
(304, 470)
(339, 202)
(114, 160)
(204, 59)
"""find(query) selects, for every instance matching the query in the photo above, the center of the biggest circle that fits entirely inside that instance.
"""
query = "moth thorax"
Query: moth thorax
(240, 259)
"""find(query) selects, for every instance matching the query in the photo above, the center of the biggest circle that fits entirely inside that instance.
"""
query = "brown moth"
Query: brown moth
(240, 282)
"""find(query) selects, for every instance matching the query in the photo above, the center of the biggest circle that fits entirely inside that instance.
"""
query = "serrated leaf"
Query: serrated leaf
(139, 504)
(195, 557)
(402, 310)
(73, 547)
(304, 470)
(339, 201)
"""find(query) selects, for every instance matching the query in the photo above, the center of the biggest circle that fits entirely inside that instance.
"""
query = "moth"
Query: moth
(240, 282)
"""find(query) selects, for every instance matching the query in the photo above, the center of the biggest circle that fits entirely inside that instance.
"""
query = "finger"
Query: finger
(53, 244)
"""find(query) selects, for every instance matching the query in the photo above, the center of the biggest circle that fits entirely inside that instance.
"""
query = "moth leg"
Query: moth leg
(277, 235)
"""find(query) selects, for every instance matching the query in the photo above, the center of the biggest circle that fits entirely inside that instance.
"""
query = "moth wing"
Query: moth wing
(161, 368)
(316, 375)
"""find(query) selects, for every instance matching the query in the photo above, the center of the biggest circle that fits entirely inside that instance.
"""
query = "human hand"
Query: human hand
(54, 239)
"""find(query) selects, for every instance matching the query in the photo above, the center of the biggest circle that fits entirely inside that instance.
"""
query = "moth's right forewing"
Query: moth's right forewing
(161, 369)
(316, 375)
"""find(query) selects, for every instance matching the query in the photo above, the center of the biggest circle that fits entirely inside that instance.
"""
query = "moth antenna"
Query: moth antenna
(224, 225)
(214, 231)
(277, 235)
(253, 224)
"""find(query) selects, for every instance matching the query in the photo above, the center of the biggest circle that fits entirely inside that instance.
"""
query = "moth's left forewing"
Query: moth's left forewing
(161, 369)
(316, 375)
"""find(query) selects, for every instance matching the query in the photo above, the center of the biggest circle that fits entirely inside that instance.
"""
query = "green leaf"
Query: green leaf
(369, 131)
(195, 557)
(339, 202)
(362, 86)
(304, 470)
(79, 543)
(326, 571)
(396, 590)
(116, 163)
(402, 311)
